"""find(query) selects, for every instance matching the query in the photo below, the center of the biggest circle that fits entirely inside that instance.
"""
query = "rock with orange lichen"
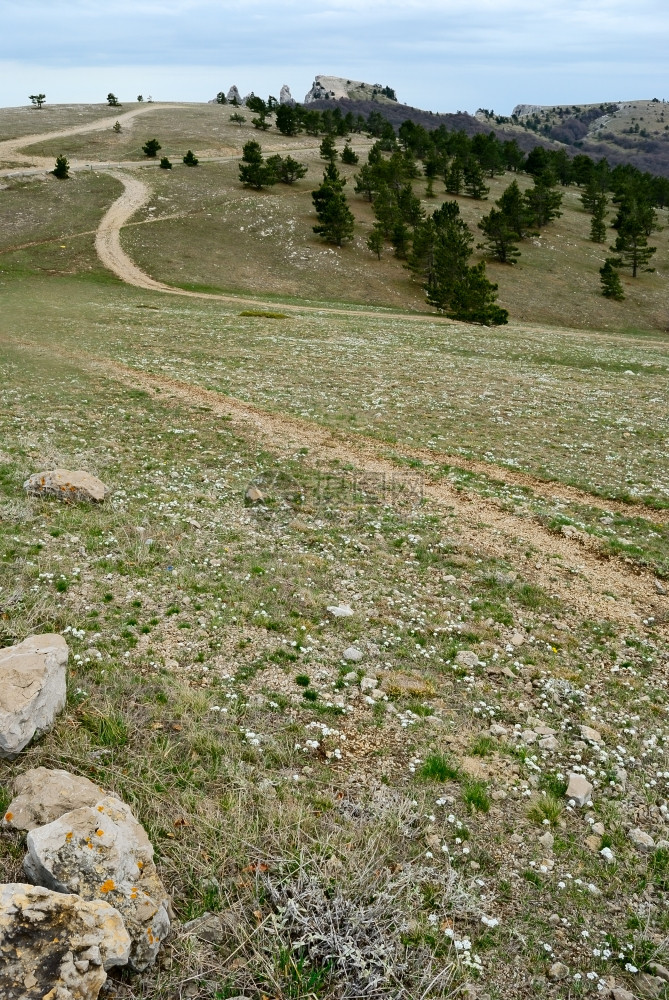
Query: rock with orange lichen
(102, 852)
(57, 945)
(43, 794)
(66, 484)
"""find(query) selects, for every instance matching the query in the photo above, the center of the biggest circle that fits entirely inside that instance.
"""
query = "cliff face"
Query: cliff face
(336, 88)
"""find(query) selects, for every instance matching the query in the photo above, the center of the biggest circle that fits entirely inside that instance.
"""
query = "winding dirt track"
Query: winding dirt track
(590, 585)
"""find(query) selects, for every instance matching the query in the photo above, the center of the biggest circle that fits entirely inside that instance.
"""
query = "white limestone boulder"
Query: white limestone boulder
(102, 852)
(32, 689)
(57, 945)
(42, 795)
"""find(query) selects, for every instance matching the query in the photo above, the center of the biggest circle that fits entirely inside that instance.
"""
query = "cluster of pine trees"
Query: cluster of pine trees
(437, 248)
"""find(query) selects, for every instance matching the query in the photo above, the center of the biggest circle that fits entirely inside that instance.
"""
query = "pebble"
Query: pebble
(368, 683)
(353, 653)
(558, 970)
(517, 639)
(547, 840)
(497, 730)
(549, 743)
(590, 734)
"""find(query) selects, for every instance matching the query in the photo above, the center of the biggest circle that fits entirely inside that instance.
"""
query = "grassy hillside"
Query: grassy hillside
(490, 503)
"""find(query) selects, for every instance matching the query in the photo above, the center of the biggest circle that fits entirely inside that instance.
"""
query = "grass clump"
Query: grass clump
(107, 730)
(303, 680)
(263, 314)
(547, 811)
(439, 767)
(475, 796)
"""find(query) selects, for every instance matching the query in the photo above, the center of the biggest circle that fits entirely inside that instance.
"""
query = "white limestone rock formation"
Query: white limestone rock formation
(32, 689)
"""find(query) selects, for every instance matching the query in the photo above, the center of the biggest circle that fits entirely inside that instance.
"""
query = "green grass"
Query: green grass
(439, 767)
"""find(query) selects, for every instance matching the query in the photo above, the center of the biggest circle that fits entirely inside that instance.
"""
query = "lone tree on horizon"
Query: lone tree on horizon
(112, 100)
(38, 100)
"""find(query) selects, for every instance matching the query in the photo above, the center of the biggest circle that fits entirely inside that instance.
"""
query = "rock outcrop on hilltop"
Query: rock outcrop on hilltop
(336, 88)
(234, 95)
(285, 97)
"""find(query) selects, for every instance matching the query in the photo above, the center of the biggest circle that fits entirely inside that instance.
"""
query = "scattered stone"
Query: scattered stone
(57, 945)
(350, 677)
(547, 840)
(659, 970)
(528, 736)
(650, 986)
(353, 654)
(497, 730)
(406, 686)
(620, 993)
(42, 795)
(467, 658)
(340, 610)
(621, 777)
(506, 579)
(254, 495)
(99, 851)
(593, 843)
(208, 927)
(549, 743)
(599, 828)
(659, 587)
(590, 734)
(368, 683)
(66, 484)
(641, 840)
(517, 639)
(32, 690)
(558, 970)
(579, 789)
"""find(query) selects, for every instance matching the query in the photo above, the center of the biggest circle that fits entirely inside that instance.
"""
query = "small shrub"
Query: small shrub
(302, 680)
(165, 163)
(62, 168)
(190, 159)
(151, 147)
(263, 313)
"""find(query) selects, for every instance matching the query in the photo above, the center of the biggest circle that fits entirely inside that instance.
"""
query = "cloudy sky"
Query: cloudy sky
(442, 55)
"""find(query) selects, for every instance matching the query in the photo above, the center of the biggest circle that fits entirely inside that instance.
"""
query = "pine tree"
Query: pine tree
(632, 249)
(237, 118)
(151, 147)
(366, 181)
(165, 163)
(543, 201)
(286, 169)
(328, 150)
(254, 171)
(400, 239)
(474, 297)
(611, 285)
(385, 209)
(454, 177)
(500, 237)
(221, 98)
(37, 100)
(512, 204)
(598, 221)
(116, 127)
(190, 159)
(475, 185)
(349, 156)
(62, 168)
(336, 222)
(375, 240)
(112, 100)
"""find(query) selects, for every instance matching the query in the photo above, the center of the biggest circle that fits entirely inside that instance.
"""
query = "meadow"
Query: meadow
(490, 504)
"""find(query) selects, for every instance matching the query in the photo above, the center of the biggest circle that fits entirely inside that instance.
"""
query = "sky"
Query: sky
(440, 55)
